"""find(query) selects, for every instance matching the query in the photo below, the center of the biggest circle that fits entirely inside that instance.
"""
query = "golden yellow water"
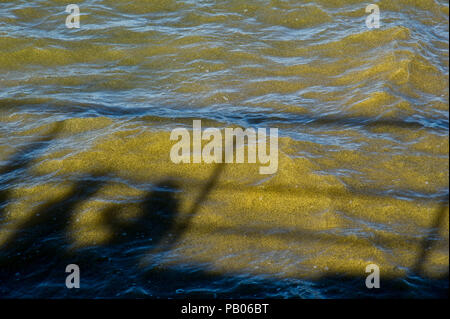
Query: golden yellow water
(86, 116)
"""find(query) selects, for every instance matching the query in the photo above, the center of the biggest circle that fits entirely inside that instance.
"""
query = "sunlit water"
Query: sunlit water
(86, 177)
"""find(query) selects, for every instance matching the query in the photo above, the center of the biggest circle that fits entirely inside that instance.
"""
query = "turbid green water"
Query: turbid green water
(86, 177)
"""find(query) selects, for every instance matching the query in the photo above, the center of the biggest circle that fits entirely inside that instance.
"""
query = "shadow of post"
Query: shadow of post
(429, 241)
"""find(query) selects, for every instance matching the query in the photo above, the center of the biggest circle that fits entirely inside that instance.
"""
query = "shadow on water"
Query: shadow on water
(40, 243)
(12, 171)
(160, 209)
(433, 235)
(33, 259)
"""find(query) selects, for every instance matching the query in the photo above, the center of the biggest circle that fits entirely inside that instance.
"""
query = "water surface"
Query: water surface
(86, 177)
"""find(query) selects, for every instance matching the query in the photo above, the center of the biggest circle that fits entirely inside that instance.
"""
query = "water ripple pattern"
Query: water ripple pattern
(86, 178)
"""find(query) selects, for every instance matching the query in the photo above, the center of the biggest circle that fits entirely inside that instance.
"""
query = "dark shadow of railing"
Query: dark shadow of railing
(42, 239)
